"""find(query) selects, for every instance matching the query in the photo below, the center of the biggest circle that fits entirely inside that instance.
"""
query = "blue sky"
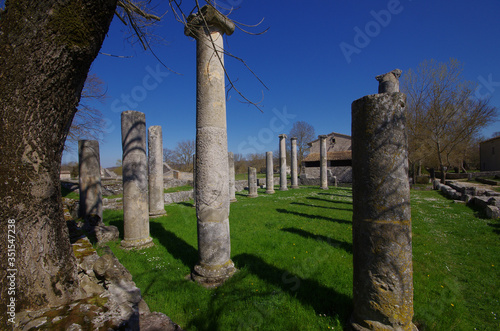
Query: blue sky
(316, 59)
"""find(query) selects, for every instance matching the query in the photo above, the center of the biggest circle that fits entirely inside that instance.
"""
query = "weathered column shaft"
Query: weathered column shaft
(90, 179)
(323, 161)
(135, 181)
(212, 167)
(383, 281)
(232, 188)
(269, 173)
(283, 181)
(294, 173)
(155, 167)
(252, 182)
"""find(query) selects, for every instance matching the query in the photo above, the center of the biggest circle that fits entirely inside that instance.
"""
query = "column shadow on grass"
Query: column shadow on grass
(281, 210)
(308, 291)
(331, 201)
(335, 195)
(179, 249)
(316, 206)
(330, 241)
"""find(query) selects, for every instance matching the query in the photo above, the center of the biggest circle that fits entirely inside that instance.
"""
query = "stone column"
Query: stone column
(382, 249)
(283, 182)
(155, 168)
(295, 177)
(232, 188)
(323, 163)
(252, 182)
(135, 181)
(194, 180)
(212, 182)
(269, 173)
(90, 180)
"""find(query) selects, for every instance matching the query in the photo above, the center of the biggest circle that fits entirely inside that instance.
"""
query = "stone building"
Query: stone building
(339, 159)
(490, 154)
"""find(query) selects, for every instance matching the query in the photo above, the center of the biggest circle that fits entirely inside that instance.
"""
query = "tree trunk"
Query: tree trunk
(46, 49)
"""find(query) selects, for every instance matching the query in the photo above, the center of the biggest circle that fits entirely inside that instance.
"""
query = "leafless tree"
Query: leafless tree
(304, 132)
(443, 116)
(182, 155)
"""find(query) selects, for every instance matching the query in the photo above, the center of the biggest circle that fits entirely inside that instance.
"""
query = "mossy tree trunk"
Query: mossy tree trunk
(46, 49)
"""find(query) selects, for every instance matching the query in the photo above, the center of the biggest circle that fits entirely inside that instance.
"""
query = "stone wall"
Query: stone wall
(310, 175)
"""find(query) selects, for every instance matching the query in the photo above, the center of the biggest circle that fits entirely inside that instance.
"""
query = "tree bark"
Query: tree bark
(46, 49)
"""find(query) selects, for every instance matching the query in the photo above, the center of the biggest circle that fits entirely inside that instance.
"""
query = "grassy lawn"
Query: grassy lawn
(178, 189)
(293, 250)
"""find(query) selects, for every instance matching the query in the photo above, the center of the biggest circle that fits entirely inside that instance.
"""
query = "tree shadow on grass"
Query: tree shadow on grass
(332, 242)
(316, 206)
(308, 291)
(331, 201)
(179, 249)
(280, 210)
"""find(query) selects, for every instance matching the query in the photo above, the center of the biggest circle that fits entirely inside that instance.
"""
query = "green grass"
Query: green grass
(66, 193)
(178, 189)
(293, 250)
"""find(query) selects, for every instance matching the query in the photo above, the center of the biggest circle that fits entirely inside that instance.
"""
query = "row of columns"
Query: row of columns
(383, 284)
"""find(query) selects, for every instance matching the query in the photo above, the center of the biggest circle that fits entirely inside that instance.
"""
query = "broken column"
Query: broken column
(295, 177)
(212, 191)
(323, 163)
(283, 181)
(90, 181)
(252, 182)
(269, 173)
(382, 248)
(155, 168)
(135, 181)
(232, 188)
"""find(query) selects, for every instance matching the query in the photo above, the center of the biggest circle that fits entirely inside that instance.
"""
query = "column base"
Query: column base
(294, 186)
(157, 213)
(137, 244)
(283, 188)
(233, 200)
(324, 188)
(252, 195)
(213, 276)
(270, 192)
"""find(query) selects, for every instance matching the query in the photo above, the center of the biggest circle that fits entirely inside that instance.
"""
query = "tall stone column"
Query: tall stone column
(232, 188)
(155, 168)
(323, 162)
(283, 182)
(194, 180)
(135, 181)
(252, 182)
(382, 248)
(90, 179)
(212, 182)
(269, 173)
(295, 177)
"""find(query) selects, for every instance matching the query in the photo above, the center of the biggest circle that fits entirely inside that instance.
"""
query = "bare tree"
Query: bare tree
(304, 132)
(182, 155)
(88, 122)
(443, 114)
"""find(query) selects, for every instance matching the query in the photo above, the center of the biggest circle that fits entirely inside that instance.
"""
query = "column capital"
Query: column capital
(389, 82)
(282, 136)
(208, 16)
(293, 138)
(322, 136)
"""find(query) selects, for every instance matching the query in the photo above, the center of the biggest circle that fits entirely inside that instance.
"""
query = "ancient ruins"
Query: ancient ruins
(135, 181)
(155, 171)
(323, 163)
(295, 177)
(282, 151)
(269, 173)
(212, 166)
(382, 247)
